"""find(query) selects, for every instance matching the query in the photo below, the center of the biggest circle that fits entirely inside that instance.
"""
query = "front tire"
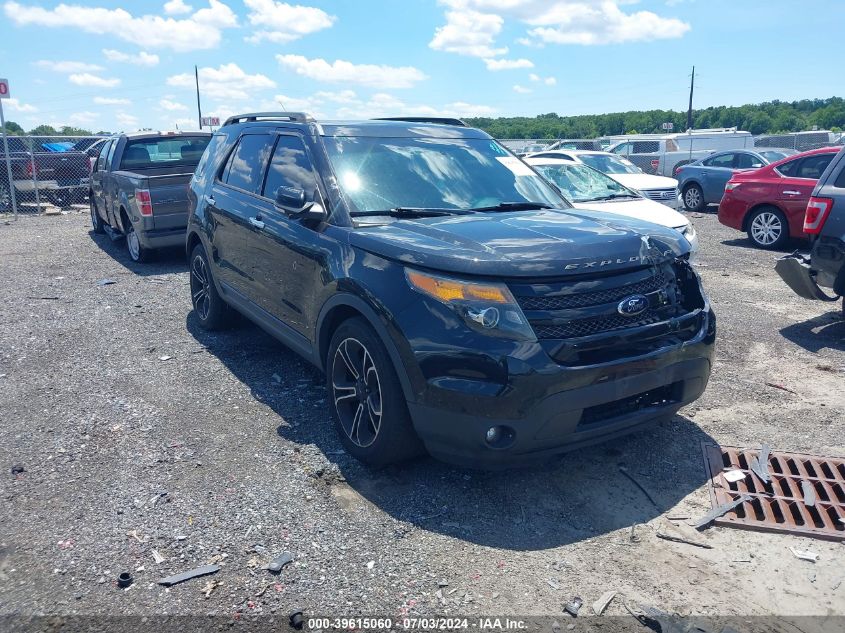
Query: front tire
(693, 198)
(212, 312)
(768, 228)
(97, 224)
(367, 402)
(137, 251)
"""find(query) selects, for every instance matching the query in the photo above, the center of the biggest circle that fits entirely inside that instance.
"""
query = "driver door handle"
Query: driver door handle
(256, 223)
(209, 199)
(792, 193)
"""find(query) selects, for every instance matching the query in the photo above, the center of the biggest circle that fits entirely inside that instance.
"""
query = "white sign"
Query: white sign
(668, 126)
(210, 121)
(4, 89)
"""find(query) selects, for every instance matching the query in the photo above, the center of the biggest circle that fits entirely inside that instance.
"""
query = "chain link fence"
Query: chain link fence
(50, 174)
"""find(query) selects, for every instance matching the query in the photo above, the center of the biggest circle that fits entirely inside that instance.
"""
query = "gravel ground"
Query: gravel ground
(140, 434)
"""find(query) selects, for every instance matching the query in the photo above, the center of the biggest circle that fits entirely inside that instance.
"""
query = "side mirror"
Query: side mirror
(292, 201)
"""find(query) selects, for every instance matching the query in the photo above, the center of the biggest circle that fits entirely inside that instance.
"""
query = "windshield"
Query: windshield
(610, 164)
(580, 183)
(775, 156)
(379, 174)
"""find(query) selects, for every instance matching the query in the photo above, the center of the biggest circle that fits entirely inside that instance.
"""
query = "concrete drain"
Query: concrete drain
(804, 494)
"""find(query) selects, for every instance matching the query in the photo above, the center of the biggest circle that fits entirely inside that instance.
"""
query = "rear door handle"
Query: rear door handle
(256, 223)
(792, 193)
(209, 199)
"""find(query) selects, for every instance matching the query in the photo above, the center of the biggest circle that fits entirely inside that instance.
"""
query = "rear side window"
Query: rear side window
(840, 179)
(646, 147)
(290, 167)
(814, 166)
(723, 160)
(101, 159)
(789, 168)
(747, 161)
(247, 164)
(164, 151)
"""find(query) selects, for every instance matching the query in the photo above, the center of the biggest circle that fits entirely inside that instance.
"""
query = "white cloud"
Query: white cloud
(177, 7)
(473, 25)
(202, 30)
(67, 66)
(508, 64)
(281, 22)
(226, 82)
(14, 105)
(521, 89)
(550, 81)
(341, 71)
(141, 59)
(87, 79)
(171, 106)
(469, 33)
(111, 101)
(127, 120)
(182, 123)
(84, 118)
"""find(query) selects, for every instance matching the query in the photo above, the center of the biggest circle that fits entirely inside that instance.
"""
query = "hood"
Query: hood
(522, 243)
(641, 209)
(645, 181)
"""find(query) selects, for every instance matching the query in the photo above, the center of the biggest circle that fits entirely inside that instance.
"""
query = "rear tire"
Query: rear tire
(367, 402)
(137, 251)
(768, 228)
(212, 312)
(97, 224)
(693, 198)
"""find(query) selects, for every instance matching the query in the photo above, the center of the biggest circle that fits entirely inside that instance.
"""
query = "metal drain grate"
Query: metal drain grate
(805, 495)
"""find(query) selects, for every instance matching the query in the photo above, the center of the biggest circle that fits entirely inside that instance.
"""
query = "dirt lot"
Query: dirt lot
(139, 432)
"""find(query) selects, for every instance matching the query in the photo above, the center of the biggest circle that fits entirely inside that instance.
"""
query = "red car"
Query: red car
(769, 203)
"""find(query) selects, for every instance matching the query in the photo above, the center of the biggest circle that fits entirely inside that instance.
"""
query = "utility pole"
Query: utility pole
(199, 109)
(689, 111)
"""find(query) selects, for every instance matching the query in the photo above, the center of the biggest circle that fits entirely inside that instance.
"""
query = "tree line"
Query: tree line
(762, 118)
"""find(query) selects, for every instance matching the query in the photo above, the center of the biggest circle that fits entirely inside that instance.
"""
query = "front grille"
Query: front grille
(588, 327)
(652, 284)
(661, 194)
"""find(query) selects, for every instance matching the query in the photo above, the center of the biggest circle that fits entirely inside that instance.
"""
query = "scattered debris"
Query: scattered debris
(734, 476)
(44, 298)
(781, 387)
(760, 465)
(633, 537)
(628, 474)
(277, 378)
(718, 511)
(601, 604)
(804, 554)
(106, 282)
(680, 539)
(809, 493)
(678, 516)
(211, 585)
(205, 570)
(742, 559)
(17, 469)
(124, 580)
(134, 534)
(66, 544)
(165, 357)
(371, 564)
(572, 607)
(296, 620)
(158, 558)
(551, 583)
(276, 565)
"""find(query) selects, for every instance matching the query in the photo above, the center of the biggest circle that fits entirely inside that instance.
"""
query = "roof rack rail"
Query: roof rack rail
(296, 117)
(424, 119)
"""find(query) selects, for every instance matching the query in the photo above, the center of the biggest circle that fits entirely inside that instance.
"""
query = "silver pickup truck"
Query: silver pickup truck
(139, 188)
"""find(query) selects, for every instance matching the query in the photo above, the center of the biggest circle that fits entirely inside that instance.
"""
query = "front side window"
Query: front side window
(290, 167)
(580, 183)
(379, 174)
(789, 168)
(610, 164)
(725, 161)
(104, 152)
(247, 164)
(747, 161)
(164, 151)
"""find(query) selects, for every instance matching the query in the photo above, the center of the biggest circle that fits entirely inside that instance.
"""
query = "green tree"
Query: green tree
(13, 128)
(43, 130)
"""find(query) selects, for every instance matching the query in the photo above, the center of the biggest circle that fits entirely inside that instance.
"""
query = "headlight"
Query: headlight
(487, 308)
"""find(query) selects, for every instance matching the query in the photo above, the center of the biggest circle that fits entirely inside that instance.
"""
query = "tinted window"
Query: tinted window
(814, 166)
(101, 159)
(747, 161)
(646, 147)
(722, 160)
(210, 153)
(290, 167)
(246, 166)
(840, 179)
(163, 151)
(789, 168)
(111, 154)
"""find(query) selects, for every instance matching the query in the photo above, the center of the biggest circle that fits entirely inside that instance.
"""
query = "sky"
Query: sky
(108, 65)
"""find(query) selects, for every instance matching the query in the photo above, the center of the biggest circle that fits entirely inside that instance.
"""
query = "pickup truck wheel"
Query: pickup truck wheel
(137, 252)
(212, 312)
(367, 402)
(693, 198)
(96, 221)
(767, 228)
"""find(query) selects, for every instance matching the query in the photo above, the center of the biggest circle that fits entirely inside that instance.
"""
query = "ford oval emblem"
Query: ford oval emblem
(633, 305)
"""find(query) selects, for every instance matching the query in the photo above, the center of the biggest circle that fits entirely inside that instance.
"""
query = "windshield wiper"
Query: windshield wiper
(513, 206)
(411, 212)
(614, 196)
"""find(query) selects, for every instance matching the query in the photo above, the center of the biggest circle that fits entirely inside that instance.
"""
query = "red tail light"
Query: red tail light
(144, 202)
(730, 186)
(817, 211)
(655, 164)
(30, 169)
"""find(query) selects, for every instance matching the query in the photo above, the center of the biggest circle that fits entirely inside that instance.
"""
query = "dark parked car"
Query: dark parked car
(55, 174)
(824, 222)
(139, 188)
(769, 203)
(703, 182)
(453, 298)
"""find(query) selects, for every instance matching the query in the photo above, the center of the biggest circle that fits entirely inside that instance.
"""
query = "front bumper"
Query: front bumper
(550, 409)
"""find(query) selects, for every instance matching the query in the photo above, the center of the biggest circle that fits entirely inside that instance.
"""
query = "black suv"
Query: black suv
(453, 298)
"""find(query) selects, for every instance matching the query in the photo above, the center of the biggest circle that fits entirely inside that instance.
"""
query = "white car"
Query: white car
(588, 188)
(658, 188)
